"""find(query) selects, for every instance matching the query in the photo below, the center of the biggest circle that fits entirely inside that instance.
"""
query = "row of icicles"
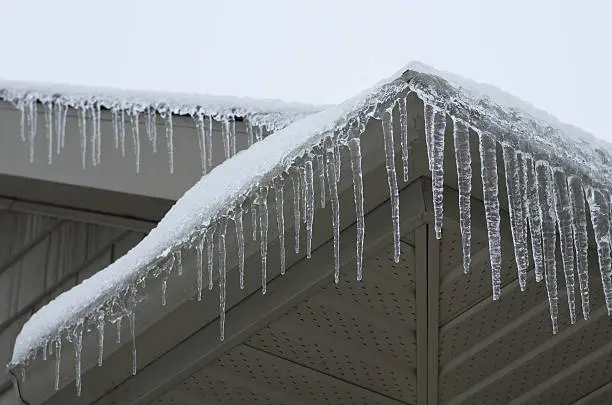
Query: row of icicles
(541, 201)
(126, 122)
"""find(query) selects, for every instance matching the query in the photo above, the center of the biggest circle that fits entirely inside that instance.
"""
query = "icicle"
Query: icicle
(151, 127)
(404, 135)
(22, 110)
(209, 141)
(437, 169)
(259, 133)
(164, 288)
(333, 193)
(232, 134)
(321, 176)
(199, 264)
(222, 277)
(488, 159)
(387, 126)
(581, 240)
(33, 126)
(310, 205)
(294, 173)
(254, 219)
(115, 116)
(303, 193)
(515, 202)
(58, 125)
(100, 327)
(78, 349)
(337, 160)
(201, 140)
(118, 329)
(49, 128)
(45, 349)
(132, 317)
(240, 241)
(600, 219)
(535, 219)
(549, 237)
(225, 136)
(263, 240)
(355, 149)
(122, 132)
(93, 134)
(429, 123)
(64, 117)
(98, 132)
(564, 223)
(178, 259)
(170, 140)
(83, 130)
(58, 358)
(136, 137)
(210, 242)
(463, 158)
(280, 220)
(249, 128)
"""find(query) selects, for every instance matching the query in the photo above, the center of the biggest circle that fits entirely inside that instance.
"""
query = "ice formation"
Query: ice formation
(552, 178)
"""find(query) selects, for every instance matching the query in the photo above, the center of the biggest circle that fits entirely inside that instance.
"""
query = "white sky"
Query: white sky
(555, 54)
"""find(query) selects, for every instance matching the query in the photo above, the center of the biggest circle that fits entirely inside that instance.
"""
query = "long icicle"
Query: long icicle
(98, 132)
(122, 132)
(94, 143)
(387, 127)
(535, 217)
(515, 202)
(232, 134)
(134, 120)
(170, 140)
(581, 240)
(280, 220)
(222, 276)
(488, 160)
(83, 129)
(564, 223)
(263, 240)
(354, 145)
(199, 119)
(404, 135)
(100, 327)
(463, 159)
(333, 193)
(600, 220)
(132, 319)
(321, 176)
(549, 238)
(49, 128)
(209, 138)
(200, 265)
(240, 241)
(437, 169)
(33, 126)
(254, 220)
(294, 173)
(58, 358)
(78, 350)
(428, 111)
(310, 205)
(58, 125)
(210, 244)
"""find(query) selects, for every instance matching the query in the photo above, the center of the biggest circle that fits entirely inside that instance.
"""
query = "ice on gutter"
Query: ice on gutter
(549, 192)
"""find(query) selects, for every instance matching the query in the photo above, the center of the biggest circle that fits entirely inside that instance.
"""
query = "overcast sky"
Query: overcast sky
(555, 54)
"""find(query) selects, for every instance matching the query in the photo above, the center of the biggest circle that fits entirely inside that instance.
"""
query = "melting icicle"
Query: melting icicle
(263, 240)
(549, 237)
(303, 193)
(58, 358)
(93, 134)
(210, 242)
(98, 132)
(355, 150)
(254, 219)
(201, 140)
(463, 158)
(333, 192)
(45, 348)
(310, 205)
(280, 220)
(232, 134)
(170, 140)
(600, 219)
(78, 349)
(249, 128)
(199, 264)
(100, 327)
(429, 123)
(564, 223)
(58, 125)
(178, 259)
(118, 329)
(321, 176)
(115, 117)
(63, 131)
(581, 240)
(294, 173)
(136, 137)
(83, 130)
(437, 169)
(515, 202)
(151, 127)
(225, 136)
(164, 288)
(222, 276)
(209, 141)
(259, 133)
(122, 132)
(488, 159)
(387, 126)
(404, 135)
(132, 317)
(49, 128)
(22, 110)
(240, 242)
(33, 126)
(535, 219)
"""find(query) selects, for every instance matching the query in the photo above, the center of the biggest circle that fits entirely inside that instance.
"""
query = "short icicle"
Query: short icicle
(209, 138)
(58, 358)
(232, 135)
(200, 265)
(515, 202)
(354, 145)
(222, 275)
(387, 127)
(310, 204)
(240, 242)
(225, 137)
(263, 240)
(404, 135)
(199, 119)
(78, 350)
(600, 220)
(100, 327)
(210, 244)
(437, 169)
(333, 194)
(581, 240)
(488, 159)
(33, 126)
(549, 238)
(294, 173)
(134, 121)
(535, 218)
(321, 177)
(564, 224)
(279, 202)
(122, 132)
(178, 259)
(170, 140)
(115, 119)
(463, 159)
(254, 219)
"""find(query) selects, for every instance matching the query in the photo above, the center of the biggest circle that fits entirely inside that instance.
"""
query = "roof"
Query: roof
(542, 143)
